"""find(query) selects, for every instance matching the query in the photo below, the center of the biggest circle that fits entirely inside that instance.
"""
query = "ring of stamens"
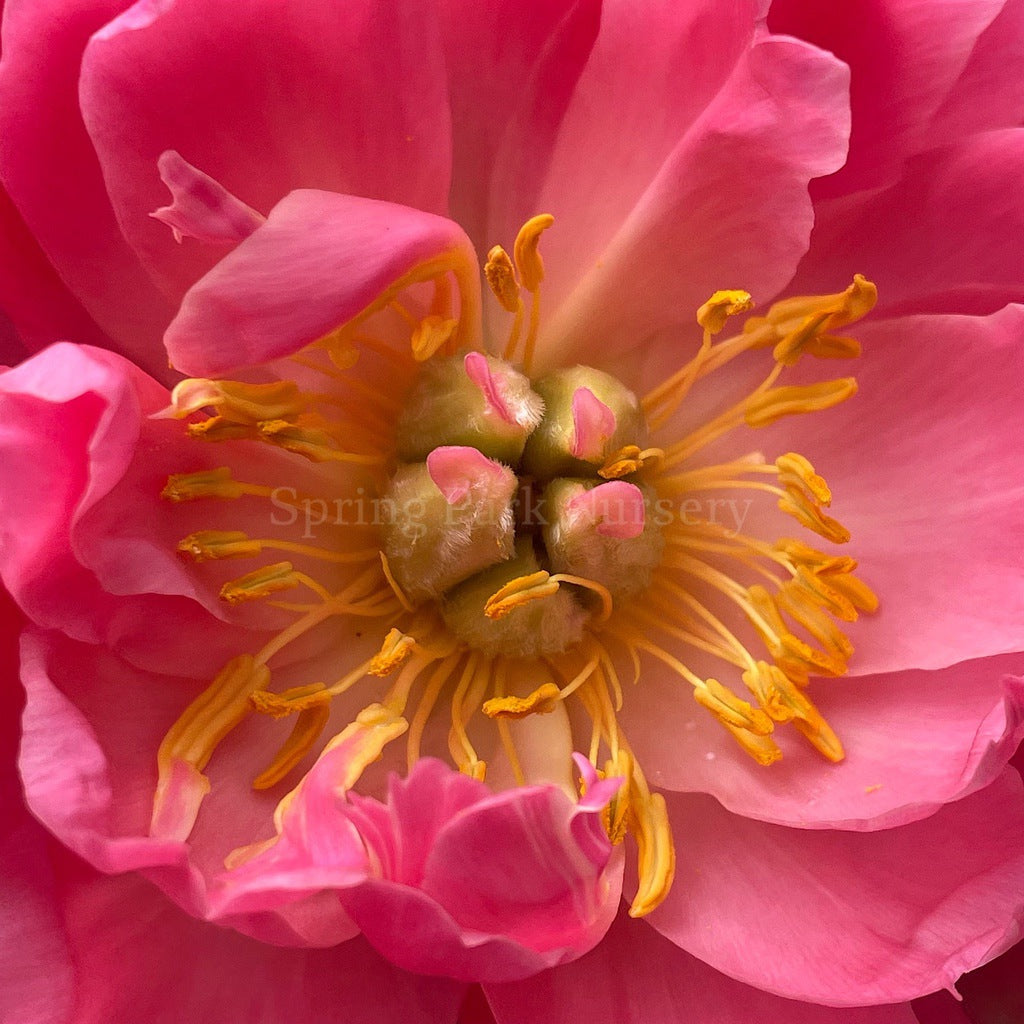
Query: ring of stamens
(766, 608)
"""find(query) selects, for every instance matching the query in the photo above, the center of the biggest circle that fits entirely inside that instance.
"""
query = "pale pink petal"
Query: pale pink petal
(726, 207)
(637, 977)
(934, 518)
(320, 260)
(906, 58)
(847, 918)
(341, 97)
(138, 958)
(50, 169)
(947, 237)
(201, 207)
(456, 470)
(511, 75)
(914, 741)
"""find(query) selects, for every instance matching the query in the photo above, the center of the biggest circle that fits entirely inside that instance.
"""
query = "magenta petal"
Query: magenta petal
(638, 977)
(138, 958)
(875, 917)
(50, 169)
(906, 59)
(319, 260)
(348, 98)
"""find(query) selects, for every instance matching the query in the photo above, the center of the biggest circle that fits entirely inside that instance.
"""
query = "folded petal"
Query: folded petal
(914, 741)
(947, 237)
(906, 58)
(342, 97)
(845, 918)
(49, 168)
(727, 204)
(638, 977)
(320, 260)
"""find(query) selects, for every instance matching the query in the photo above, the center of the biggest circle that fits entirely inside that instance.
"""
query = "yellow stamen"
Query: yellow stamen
(501, 276)
(238, 402)
(308, 726)
(518, 592)
(728, 708)
(795, 504)
(315, 445)
(722, 305)
(656, 854)
(393, 584)
(213, 544)
(396, 648)
(209, 483)
(616, 815)
(430, 335)
(627, 460)
(217, 428)
(290, 702)
(527, 252)
(541, 701)
(795, 471)
(270, 579)
(766, 408)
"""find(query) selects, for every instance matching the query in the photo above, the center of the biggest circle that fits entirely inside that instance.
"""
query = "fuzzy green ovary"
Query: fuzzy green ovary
(460, 555)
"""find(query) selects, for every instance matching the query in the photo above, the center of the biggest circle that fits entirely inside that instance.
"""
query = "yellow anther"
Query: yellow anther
(627, 460)
(814, 560)
(808, 514)
(856, 591)
(656, 853)
(306, 731)
(396, 648)
(316, 445)
(765, 408)
(796, 472)
(501, 276)
(729, 709)
(217, 428)
(838, 310)
(518, 592)
(825, 594)
(763, 749)
(260, 583)
(339, 347)
(431, 334)
(616, 815)
(761, 682)
(722, 305)
(527, 253)
(290, 702)
(542, 701)
(205, 545)
(238, 402)
(805, 608)
(211, 483)
(816, 662)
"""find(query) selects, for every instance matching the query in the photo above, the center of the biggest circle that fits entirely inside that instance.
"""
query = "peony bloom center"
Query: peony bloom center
(520, 543)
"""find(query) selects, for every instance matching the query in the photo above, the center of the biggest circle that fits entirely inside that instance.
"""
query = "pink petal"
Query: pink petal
(854, 918)
(281, 110)
(510, 80)
(933, 520)
(945, 238)
(914, 741)
(138, 958)
(319, 260)
(906, 58)
(456, 470)
(637, 977)
(593, 423)
(736, 172)
(50, 169)
(201, 207)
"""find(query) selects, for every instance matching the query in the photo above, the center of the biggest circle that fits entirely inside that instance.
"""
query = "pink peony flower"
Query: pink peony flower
(295, 204)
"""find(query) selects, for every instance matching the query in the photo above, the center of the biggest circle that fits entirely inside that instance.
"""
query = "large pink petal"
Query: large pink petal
(637, 977)
(926, 473)
(138, 958)
(49, 168)
(341, 97)
(906, 57)
(726, 207)
(914, 741)
(846, 918)
(947, 237)
(320, 259)
(510, 81)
